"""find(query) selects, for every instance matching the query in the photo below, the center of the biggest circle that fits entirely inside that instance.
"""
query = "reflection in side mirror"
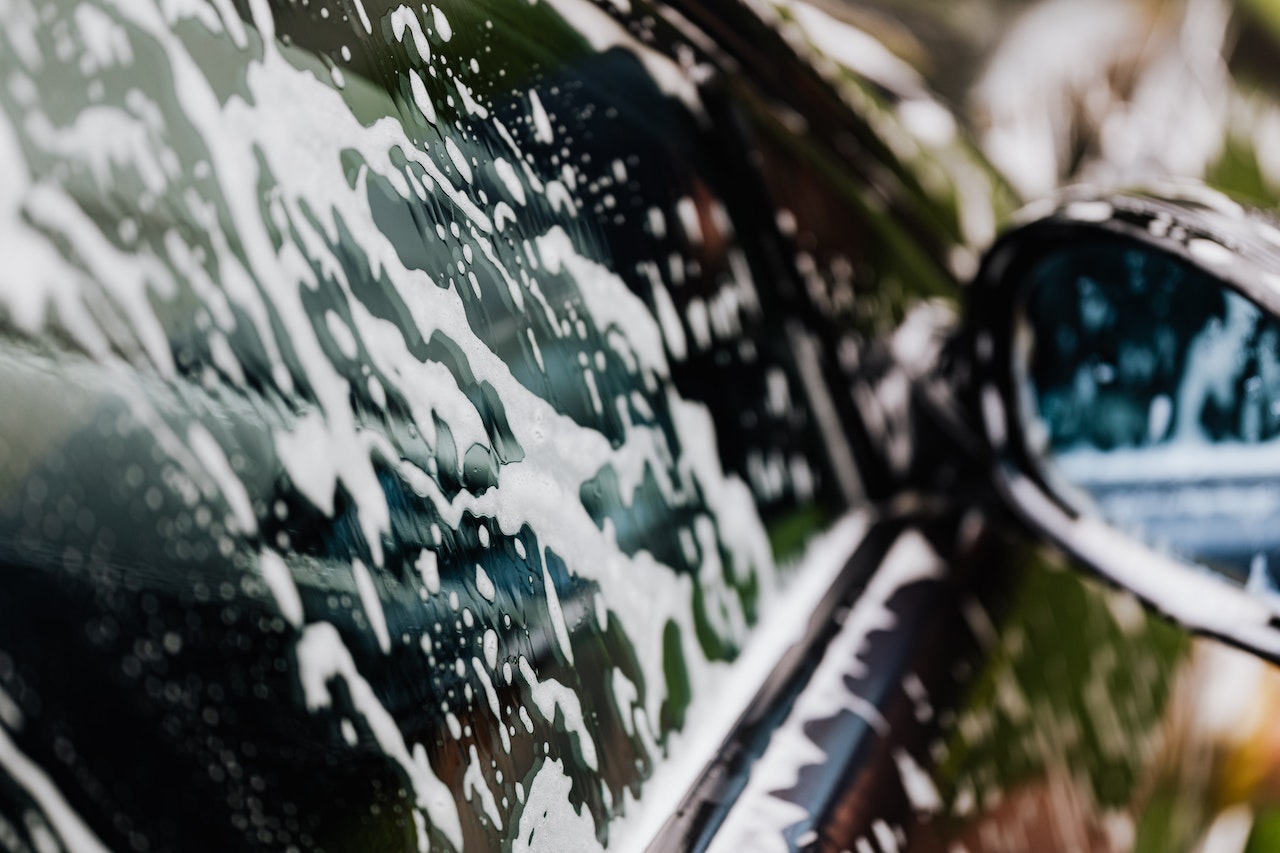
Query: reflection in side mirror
(1154, 389)
(1125, 355)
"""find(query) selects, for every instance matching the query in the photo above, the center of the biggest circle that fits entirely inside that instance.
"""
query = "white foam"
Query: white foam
(549, 823)
(484, 585)
(372, 605)
(280, 581)
(297, 128)
(421, 98)
(458, 159)
(548, 695)
(215, 463)
(443, 29)
(404, 18)
(541, 122)
(322, 656)
(475, 784)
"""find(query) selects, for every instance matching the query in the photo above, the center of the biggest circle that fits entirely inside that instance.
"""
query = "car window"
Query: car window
(407, 418)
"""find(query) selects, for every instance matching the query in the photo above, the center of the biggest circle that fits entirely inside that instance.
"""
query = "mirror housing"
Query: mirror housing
(1071, 312)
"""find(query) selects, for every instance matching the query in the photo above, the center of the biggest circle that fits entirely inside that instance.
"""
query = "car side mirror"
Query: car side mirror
(1126, 356)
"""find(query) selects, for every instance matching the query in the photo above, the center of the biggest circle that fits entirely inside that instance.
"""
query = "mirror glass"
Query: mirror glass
(1151, 393)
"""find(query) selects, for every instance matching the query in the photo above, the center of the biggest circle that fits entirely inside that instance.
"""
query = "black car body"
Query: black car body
(507, 425)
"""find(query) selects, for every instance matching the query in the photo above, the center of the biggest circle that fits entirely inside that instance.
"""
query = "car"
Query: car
(509, 425)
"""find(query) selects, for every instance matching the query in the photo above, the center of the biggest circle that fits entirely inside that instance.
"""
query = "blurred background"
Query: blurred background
(1099, 90)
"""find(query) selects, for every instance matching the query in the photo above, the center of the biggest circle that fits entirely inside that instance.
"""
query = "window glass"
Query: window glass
(402, 432)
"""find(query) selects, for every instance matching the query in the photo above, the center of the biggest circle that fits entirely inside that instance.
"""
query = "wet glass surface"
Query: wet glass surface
(1155, 389)
(407, 415)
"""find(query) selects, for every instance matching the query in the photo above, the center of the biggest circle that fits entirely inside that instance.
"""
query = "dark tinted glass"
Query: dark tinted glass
(407, 413)
(1156, 389)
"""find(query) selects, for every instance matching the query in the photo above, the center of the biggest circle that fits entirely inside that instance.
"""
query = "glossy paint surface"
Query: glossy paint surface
(412, 412)
(426, 425)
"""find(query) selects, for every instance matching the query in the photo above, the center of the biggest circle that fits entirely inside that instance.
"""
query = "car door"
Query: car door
(428, 426)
